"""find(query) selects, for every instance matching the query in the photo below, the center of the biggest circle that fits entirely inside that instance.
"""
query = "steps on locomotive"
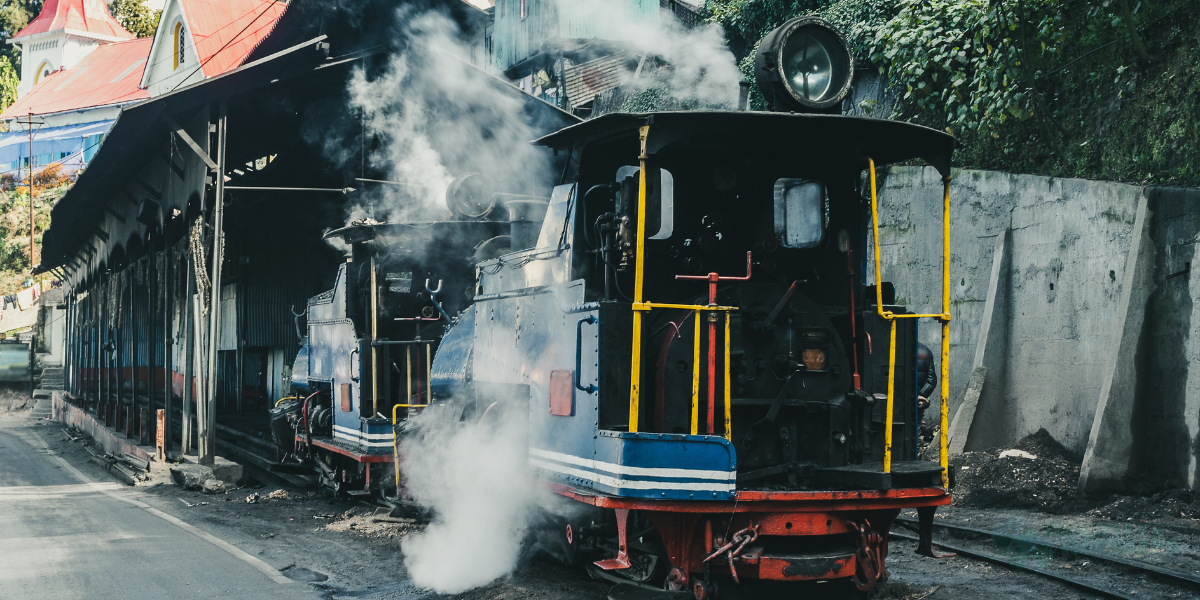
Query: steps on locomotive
(905, 474)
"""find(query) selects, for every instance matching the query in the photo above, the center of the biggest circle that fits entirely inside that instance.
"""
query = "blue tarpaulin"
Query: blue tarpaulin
(68, 139)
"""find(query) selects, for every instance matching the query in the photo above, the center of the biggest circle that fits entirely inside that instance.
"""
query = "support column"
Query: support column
(209, 438)
(1106, 461)
(168, 360)
(134, 328)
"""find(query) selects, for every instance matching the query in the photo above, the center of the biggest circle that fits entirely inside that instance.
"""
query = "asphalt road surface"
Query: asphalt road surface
(64, 535)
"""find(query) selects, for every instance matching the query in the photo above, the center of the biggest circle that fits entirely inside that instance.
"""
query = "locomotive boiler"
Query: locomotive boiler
(706, 370)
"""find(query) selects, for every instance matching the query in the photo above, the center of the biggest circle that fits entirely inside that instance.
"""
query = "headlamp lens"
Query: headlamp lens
(808, 64)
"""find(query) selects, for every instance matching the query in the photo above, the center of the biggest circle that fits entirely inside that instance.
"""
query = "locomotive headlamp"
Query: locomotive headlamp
(805, 65)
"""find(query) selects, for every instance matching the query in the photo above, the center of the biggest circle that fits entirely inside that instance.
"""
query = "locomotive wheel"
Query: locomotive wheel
(341, 488)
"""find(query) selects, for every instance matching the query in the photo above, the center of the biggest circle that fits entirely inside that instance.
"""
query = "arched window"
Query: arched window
(180, 44)
(43, 70)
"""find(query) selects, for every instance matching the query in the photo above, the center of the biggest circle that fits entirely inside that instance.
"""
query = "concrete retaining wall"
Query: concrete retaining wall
(1070, 247)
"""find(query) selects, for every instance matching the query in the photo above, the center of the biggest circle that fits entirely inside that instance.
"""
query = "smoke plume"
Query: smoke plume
(473, 475)
(433, 117)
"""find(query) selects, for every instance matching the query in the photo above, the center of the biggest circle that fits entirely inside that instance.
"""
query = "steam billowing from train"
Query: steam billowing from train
(429, 117)
(433, 117)
(474, 478)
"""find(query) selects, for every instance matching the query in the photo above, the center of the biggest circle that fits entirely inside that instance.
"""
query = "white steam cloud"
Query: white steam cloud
(697, 70)
(434, 117)
(475, 478)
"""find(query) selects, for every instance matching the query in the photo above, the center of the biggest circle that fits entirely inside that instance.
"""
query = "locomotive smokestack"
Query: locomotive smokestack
(743, 95)
(525, 215)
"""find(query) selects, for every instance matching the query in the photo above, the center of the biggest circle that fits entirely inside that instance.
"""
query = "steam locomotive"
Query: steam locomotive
(703, 366)
(706, 373)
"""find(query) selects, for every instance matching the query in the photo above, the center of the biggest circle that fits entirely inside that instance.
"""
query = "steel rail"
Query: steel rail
(1171, 574)
(992, 558)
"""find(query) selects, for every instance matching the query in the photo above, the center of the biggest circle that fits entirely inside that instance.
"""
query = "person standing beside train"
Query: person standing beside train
(927, 381)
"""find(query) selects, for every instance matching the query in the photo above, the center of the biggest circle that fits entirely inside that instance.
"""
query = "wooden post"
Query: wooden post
(160, 443)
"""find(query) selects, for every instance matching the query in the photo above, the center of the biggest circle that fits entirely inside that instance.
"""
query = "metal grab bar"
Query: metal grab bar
(943, 317)
(591, 388)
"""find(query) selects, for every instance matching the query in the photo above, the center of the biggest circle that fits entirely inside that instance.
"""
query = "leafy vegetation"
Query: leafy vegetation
(135, 16)
(1062, 87)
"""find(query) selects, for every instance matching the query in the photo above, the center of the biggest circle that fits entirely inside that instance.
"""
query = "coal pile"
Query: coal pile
(1036, 473)
(1168, 504)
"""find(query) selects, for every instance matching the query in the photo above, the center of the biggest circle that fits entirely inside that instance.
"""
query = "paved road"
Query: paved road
(66, 536)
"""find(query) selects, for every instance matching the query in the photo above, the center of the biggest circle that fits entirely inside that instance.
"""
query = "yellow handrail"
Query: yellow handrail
(943, 317)
(696, 377)
(725, 365)
(635, 374)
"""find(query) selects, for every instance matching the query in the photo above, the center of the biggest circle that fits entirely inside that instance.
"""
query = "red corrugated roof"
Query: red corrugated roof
(108, 75)
(226, 31)
(91, 16)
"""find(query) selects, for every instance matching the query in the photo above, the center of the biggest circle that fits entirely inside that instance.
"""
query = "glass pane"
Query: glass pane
(799, 213)
(660, 224)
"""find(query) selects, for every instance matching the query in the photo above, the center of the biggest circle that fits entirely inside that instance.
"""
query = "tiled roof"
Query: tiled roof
(226, 31)
(110, 74)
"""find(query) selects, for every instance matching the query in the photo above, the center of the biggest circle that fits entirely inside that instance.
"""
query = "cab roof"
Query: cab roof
(821, 138)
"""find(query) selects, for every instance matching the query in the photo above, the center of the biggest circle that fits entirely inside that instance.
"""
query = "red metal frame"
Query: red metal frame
(713, 279)
(691, 530)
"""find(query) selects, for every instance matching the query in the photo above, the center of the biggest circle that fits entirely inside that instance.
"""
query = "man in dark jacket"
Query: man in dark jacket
(927, 381)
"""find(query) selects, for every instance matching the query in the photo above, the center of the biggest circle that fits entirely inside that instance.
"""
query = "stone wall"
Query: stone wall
(1061, 297)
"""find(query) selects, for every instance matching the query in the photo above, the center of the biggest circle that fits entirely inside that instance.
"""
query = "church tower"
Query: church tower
(64, 32)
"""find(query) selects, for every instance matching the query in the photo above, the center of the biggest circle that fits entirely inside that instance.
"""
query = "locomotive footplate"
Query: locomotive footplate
(904, 474)
(344, 449)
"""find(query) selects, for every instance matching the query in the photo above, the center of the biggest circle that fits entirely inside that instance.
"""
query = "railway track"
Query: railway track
(1127, 566)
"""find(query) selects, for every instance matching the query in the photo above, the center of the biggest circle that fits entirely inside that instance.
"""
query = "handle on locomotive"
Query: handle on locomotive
(352, 353)
(591, 388)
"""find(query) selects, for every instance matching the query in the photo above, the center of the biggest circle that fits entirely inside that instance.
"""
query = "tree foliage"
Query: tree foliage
(135, 16)
(9, 80)
(14, 16)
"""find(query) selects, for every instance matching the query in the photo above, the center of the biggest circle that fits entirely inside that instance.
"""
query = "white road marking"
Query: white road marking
(266, 569)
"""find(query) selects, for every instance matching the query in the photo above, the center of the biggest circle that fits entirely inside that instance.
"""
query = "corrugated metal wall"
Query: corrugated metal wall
(279, 278)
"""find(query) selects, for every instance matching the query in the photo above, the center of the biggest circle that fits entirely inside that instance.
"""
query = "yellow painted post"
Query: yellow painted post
(728, 401)
(875, 225)
(396, 450)
(944, 438)
(696, 376)
(374, 335)
(428, 371)
(887, 432)
(635, 371)
(408, 372)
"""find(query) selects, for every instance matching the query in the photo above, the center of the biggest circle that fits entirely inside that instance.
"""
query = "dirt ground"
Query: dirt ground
(347, 550)
(14, 398)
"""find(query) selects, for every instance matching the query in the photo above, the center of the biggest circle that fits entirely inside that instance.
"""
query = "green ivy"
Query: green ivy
(962, 58)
